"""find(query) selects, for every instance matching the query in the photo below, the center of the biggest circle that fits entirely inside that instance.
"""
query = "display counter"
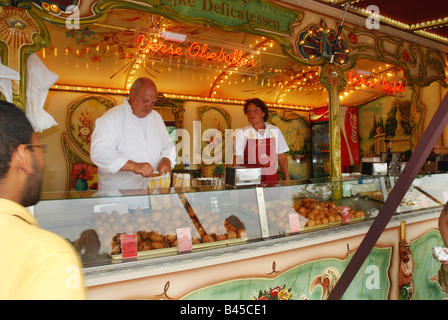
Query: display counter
(136, 236)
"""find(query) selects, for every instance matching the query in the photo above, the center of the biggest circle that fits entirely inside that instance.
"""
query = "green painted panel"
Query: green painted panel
(426, 267)
(313, 280)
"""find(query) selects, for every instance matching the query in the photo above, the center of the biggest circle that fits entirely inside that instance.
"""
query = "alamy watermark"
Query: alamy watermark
(373, 280)
(373, 21)
(214, 146)
(74, 277)
(72, 21)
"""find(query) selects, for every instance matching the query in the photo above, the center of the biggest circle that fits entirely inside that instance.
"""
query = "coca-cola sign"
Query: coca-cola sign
(349, 136)
(353, 120)
(378, 83)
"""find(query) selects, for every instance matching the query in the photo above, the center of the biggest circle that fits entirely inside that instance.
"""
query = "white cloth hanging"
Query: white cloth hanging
(38, 81)
(6, 76)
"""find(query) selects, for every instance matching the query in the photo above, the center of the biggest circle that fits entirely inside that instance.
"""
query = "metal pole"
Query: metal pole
(339, 33)
(432, 133)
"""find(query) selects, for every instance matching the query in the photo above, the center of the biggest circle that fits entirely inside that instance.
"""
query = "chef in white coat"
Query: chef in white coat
(130, 141)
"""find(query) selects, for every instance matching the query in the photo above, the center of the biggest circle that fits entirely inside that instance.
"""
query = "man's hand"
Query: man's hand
(164, 166)
(143, 168)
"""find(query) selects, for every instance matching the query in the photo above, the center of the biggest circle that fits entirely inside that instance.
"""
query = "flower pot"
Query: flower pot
(79, 184)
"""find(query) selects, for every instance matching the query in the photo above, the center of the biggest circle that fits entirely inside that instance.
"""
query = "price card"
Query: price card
(294, 222)
(345, 214)
(184, 243)
(129, 245)
(424, 201)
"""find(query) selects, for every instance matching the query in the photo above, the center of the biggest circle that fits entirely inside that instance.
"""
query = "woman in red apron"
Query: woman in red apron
(263, 142)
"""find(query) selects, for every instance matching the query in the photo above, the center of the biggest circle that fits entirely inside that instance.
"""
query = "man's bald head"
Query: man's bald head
(142, 97)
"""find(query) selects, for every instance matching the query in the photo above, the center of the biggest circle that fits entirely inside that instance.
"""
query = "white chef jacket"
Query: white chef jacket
(249, 132)
(118, 138)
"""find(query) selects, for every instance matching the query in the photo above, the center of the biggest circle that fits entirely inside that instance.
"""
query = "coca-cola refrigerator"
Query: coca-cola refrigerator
(320, 140)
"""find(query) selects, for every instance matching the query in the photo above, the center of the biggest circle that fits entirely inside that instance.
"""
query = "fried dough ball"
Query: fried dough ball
(156, 215)
(144, 246)
(231, 235)
(357, 214)
(114, 216)
(200, 231)
(310, 215)
(155, 236)
(241, 233)
(174, 243)
(207, 238)
(116, 244)
(170, 238)
(158, 245)
(220, 237)
(310, 223)
(302, 211)
(97, 223)
(104, 216)
(129, 228)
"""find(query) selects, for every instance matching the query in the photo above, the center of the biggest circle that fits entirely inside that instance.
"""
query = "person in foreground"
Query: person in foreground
(443, 225)
(443, 229)
(261, 145)
(35, 263)
(130, 141)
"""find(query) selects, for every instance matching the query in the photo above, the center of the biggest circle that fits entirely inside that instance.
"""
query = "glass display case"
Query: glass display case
(217, 216)
(425, 192)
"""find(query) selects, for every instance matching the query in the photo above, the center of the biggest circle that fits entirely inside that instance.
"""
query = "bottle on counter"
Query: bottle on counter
(187, 162)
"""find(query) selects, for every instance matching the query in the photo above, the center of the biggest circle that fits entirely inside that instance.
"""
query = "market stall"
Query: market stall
(283, 58)
(207, 58)
(240, 242)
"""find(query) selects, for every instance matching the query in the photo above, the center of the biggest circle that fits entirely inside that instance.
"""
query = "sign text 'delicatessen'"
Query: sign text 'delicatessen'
(236, 13)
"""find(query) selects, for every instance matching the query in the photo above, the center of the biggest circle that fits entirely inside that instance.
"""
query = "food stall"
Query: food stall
(207, 58)
(242, 242)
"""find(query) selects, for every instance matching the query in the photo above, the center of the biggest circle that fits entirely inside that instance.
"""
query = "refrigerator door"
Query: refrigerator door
(321, 150)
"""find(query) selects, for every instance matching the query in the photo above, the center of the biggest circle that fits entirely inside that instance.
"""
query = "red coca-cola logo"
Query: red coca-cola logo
(354, 124)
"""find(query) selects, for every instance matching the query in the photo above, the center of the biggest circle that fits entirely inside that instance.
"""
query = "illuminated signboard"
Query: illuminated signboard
(196, 52)
(376, 83)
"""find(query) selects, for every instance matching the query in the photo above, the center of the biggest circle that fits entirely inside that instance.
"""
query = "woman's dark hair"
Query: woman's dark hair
(260, 104)
(15, 129)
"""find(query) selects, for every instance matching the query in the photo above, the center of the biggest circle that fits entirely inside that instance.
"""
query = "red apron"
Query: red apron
(261, 153)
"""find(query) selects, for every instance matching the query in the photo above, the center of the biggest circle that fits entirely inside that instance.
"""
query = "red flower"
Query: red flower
(275, 291)
(353, 38)
(95, 58)
(406, 55)
(262, 298)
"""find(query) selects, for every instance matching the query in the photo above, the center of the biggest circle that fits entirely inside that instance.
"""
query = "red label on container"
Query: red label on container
(294, 222)
(184, 239)
(129, 245)
(345, 214)
(424, 201)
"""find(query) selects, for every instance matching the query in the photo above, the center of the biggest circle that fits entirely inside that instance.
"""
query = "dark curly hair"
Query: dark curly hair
(15, 129)
(260, 104)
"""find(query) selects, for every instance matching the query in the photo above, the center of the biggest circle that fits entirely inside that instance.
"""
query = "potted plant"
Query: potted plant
(300, 155)
(218, 171)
